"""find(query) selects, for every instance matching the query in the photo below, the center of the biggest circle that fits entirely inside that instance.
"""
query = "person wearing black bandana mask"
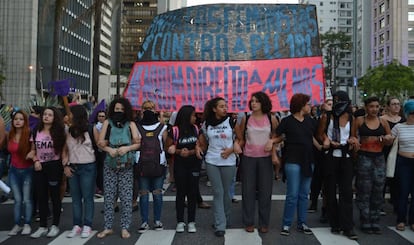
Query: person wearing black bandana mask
(119, 138)
(334, 130)
(151, 124)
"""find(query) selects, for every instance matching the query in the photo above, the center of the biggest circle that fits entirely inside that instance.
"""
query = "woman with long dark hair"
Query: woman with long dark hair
(21, 171)
(48, 142)
(181, 143)
(81, 172)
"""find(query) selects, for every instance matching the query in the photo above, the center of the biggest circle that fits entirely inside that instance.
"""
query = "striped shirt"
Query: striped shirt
(405, 134)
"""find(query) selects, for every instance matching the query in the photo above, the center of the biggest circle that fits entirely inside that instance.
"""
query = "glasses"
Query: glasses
(101, 116)
(395, 104)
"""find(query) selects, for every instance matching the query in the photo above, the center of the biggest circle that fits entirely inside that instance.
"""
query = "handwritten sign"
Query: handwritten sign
(173, 84)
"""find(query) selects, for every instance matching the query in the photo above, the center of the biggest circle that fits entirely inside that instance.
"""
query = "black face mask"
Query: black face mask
(149, 118)
(119, 119)
(340, 108)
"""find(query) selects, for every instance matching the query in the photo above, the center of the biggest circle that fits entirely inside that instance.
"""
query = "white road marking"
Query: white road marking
(77, 240)
(325, 237)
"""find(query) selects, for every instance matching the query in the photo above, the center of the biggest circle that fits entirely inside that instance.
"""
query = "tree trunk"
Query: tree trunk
(96, 46)
(56, 38)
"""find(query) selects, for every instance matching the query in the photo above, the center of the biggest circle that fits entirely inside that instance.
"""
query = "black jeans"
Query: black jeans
(338, 172)
(186, 176)
(48, 181)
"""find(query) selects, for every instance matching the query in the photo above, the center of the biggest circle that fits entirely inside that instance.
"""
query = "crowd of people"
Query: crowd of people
(125, 155)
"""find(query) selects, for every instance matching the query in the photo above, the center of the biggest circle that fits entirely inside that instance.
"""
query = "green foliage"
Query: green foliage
(336, 45)
(5, 113)
(392, 80)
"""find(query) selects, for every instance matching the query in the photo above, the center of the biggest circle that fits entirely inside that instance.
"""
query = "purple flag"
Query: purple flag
(100, 107)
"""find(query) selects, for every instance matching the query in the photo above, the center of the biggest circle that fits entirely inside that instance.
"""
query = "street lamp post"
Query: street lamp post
(40, 72)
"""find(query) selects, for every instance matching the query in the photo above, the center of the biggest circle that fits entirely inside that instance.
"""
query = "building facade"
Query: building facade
(136, 17)
(26, 46)
(18, 40)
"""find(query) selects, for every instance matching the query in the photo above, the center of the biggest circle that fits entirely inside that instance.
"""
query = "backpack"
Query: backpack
(149, 159)
(120, 137)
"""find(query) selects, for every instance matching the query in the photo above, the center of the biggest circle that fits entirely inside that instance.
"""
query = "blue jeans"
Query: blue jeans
(404, 171)
(298, 187)
(21, 185)
(82, 188)
(154, 185)
(221, 178)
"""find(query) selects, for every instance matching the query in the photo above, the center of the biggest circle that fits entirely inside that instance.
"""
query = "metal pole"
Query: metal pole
(41, 82)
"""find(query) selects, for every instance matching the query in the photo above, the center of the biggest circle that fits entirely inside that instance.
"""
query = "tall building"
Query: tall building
(363, 37)
(106, 39)
(74, 46)
(18, 40)
(136, 17)
(390, 32)
(26, 47)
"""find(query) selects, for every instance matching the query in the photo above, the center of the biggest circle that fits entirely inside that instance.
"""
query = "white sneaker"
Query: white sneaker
(53, 231)
(86, 231)
(180, 227)
(16, 229)
(192, 227)
(42, 231)
(76, 230)
(26, 229)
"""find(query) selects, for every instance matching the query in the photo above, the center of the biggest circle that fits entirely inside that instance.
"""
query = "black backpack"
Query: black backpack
(150, 150)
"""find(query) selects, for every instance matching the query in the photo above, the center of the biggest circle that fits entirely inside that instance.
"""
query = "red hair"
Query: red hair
(24, 142)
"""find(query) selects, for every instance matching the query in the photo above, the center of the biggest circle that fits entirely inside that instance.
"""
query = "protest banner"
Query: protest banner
(193, 54)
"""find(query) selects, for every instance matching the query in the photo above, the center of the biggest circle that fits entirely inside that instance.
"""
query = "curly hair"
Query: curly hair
(57, 130)
(298, 101)
(24, 141)
(209, 114)
(79, 122)
(127, 108)
(264, 100)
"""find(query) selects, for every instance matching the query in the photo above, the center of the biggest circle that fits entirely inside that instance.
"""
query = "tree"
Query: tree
(335, 46)
(392, 80)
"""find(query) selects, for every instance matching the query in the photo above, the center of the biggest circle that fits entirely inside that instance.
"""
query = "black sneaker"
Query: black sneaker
(351, 234)
(143, 228)
(285, 231)
(158, 226)
(335, 230)
(305, 229)
(312, 208)
(376, 230)
(219, 233)
(367, 230)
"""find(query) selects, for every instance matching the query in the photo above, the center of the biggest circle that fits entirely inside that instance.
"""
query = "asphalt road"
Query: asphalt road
(205, 234)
